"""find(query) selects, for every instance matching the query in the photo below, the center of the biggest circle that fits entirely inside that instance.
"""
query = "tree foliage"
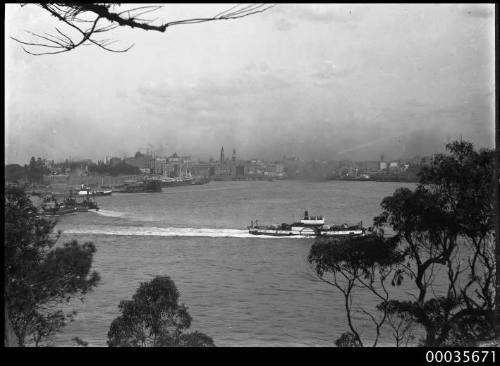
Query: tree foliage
(35, 170)
(15, 173)
(357, 264)
(40, 277)
(442, 232)
(348, 340)
(447, 224)
(154, 318)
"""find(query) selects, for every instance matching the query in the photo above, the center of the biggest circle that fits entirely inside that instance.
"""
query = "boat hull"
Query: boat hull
(305, 233)
(175, 183)
(140, 187)
(309, 226)
(103, 193)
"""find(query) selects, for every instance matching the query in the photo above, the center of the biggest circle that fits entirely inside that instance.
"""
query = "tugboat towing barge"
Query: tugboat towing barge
(309, 226)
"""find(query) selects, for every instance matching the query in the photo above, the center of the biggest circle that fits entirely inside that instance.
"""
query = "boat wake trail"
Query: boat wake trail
(169, 232)
(109, 213)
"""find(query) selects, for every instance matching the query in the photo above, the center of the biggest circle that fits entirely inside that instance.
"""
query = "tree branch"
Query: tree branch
(72, 14)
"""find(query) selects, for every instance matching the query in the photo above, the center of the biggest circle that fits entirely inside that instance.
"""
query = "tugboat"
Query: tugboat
(309, 226)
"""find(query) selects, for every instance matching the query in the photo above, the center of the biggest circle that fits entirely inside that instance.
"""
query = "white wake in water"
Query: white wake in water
(109, 213)
(170, 231)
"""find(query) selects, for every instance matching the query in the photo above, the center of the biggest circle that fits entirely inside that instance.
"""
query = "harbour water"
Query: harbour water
(241, 290)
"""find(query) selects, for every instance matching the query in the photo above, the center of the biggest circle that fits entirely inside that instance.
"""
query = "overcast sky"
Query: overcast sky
(322, 81)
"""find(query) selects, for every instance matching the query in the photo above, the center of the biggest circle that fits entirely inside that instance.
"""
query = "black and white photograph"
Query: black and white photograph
(252, 175)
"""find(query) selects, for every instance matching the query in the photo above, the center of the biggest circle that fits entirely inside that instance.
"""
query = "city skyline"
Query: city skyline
(212, 158)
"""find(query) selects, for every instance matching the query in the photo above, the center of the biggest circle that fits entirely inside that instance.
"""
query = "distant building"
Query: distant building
(139, 160)
(158, 166)
(240, 171)
(114, 161)
(177, 166)
(222, 171)
(382, 165)
(256, 168)
(202, 169)
(370, 166)
(394, 165)
(222, 160)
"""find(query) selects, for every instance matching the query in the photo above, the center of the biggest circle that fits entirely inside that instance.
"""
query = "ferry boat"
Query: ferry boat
(309, 226)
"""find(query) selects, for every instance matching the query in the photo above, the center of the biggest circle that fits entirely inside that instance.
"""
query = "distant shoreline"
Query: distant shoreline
(391, 180)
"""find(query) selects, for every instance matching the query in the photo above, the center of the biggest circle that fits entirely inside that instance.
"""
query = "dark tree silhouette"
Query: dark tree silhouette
(358, 265)
(84, 24)
(444, 228)
(35, 170)
(154, 318)
(39, 276)
(15, 173)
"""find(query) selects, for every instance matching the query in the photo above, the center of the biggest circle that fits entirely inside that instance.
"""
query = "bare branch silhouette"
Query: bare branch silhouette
(77, 16)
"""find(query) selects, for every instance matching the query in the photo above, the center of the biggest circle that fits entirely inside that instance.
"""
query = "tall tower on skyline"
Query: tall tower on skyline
(222, 156)
(234, 154)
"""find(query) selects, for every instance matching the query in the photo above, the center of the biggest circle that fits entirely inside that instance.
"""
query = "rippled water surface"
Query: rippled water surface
(241, 290)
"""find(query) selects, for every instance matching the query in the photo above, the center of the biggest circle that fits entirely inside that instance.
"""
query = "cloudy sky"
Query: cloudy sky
(315, 81)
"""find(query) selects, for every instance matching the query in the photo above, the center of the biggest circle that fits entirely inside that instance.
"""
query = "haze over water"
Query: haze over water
(241, 290)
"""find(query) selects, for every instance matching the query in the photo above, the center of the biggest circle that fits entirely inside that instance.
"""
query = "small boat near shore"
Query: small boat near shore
(309, 226)
(54, 209)
(72, 204)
